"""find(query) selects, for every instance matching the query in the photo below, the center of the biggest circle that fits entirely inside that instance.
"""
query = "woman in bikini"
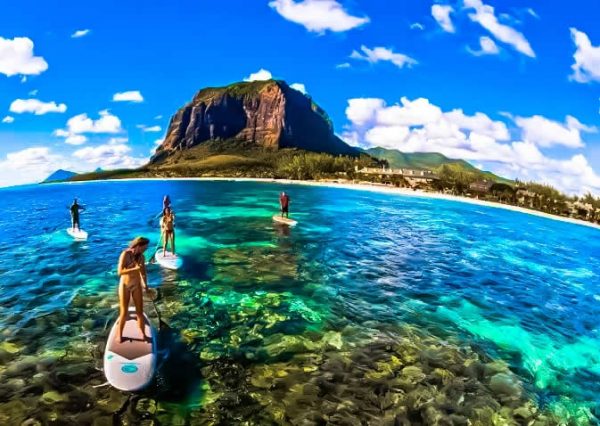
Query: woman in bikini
(132, 271)
(168, 230)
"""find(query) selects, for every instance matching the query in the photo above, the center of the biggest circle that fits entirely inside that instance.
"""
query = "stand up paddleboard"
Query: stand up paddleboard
(78, 235)
(130, 366)
(169, 261)
(284, 220)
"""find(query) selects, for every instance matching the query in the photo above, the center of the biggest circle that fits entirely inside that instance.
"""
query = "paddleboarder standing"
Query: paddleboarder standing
(75, 207)
(284, 203)
(167, 224)
(133, 282)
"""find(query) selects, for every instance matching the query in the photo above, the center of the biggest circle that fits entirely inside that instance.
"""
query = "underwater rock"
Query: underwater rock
(413, 374)
(278, 344)
(52, 397)
(113, 401)
(505, 384)
(332, 340)
(146, 405)
(14, 411)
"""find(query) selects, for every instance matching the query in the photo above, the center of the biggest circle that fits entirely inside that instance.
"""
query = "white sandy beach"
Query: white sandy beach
(371, 187)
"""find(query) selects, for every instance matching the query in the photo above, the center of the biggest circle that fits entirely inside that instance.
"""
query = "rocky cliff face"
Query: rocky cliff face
(268, 114)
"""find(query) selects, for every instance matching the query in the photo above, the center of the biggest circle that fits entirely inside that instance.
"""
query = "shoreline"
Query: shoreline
(368, 187)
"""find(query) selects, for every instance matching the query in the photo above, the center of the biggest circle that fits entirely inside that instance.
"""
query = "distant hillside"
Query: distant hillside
(269, 115)
(59, 175)
(414, 160)
(430, 161)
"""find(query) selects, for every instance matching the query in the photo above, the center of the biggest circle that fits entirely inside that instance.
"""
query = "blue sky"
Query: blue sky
(512, 86)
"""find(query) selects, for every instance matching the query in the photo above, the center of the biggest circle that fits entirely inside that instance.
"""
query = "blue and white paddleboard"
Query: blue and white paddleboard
(77, 234)
(284, 220)
(169, 261)
(130, 365)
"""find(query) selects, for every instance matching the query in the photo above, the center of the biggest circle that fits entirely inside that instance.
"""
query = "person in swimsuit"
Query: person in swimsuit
(167, 225)
(132, 271)
(75, 207)
(284, 202)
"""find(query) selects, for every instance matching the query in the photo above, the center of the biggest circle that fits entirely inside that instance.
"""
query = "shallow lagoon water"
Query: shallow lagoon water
(376, 308)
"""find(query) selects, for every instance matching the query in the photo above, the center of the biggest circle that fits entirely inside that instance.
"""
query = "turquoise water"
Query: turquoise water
(374, 306)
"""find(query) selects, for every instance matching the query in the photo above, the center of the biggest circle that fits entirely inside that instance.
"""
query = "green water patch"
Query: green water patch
(545, 358)
(206, 213)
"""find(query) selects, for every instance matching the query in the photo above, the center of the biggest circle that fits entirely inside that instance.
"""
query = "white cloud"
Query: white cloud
(260, 75)
(479, 123)
(546, 133)
(487, 46)
(343, 65)
(35, 106)
(158, 117)
(533, 13)
(318, 15)
(587, 58)
(107, 123)
(23, 79)
(441, 13)
(27, 166)
(75, 139)
(8, 119)
(361, 111)
(80, 33)
(417, 26)
(410, 113)
(151, 128)
(33, 92)
(117, 141)
(299, 87)
(109, 156)
(130, 96)
(379, 54)
(16, 57)
(420, 126)
(82, 124)
(484, 16)
(387, 136)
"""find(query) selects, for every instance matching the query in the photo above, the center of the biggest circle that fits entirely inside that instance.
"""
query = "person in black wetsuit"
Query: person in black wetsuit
(75, 208)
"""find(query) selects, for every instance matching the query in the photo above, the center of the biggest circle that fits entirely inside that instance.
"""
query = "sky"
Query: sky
(511, 86)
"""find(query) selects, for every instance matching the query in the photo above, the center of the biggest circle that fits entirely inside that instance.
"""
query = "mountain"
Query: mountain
(415, 160)
(430, 161)
(260, 114)
(58, 175)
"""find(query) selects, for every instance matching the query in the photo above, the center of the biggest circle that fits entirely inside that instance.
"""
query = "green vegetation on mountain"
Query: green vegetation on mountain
(239, 159)
(434, 161)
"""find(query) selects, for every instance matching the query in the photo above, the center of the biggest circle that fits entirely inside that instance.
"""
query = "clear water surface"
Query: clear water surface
(372, 303)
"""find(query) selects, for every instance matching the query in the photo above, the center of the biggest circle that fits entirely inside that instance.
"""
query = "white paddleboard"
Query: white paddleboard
(130, 366)
(78, 235)
(284, 220)
(170, 261)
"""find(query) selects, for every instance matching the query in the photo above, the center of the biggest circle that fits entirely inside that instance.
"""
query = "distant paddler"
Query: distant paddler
(167, 226)
(284, 207)
(284, 204)
(133, 282)
(75, 208)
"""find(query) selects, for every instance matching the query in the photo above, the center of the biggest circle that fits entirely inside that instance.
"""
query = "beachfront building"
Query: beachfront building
(400, 177)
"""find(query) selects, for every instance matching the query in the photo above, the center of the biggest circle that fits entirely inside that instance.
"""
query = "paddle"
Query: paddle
(153, 258)
(153, 295)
